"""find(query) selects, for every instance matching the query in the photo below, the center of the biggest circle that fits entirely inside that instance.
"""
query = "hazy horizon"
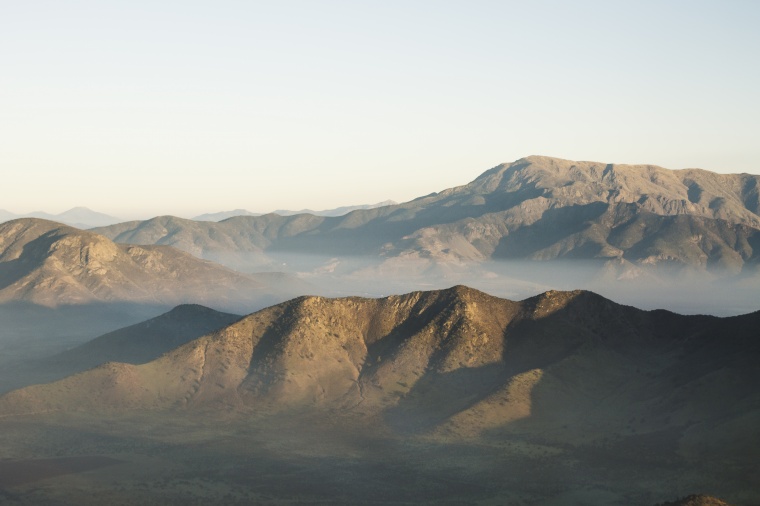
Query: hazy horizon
(152, 108)
(138, 214)
(142, 213)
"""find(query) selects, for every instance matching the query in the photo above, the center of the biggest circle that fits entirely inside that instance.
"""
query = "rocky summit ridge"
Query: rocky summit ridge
(454, 363)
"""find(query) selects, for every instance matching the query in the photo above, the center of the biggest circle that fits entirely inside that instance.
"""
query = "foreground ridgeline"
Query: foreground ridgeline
(448, 397)
(455, 361)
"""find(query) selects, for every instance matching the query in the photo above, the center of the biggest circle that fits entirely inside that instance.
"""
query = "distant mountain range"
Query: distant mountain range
(84, 218)
(640, 225)
(568, 368)
(338, 211)
(79, 217)
(536, 208)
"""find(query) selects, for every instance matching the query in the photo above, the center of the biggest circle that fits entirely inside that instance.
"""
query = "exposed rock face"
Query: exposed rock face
(535, 208)
(570, 366)
(52, 264)
(547, 208)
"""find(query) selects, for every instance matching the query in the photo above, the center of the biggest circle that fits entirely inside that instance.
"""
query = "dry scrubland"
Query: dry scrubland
(160, 459)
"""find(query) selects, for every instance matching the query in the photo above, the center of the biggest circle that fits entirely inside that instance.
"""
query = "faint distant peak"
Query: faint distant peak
(223, 215)
(79, 217)
(87, 216)
(338, 211)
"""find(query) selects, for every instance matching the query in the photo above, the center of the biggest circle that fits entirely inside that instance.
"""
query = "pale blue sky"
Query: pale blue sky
(138, 108)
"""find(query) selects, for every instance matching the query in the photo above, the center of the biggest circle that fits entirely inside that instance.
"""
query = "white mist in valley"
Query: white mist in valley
(673, 288)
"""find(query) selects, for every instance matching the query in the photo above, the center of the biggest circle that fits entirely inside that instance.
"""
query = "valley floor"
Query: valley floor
(151, 458)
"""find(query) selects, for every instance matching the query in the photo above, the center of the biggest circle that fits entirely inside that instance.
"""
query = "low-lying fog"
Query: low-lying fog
(664, 287)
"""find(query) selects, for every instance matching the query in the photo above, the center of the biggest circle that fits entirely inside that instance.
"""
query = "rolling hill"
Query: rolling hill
(50, 264)
(135, 344)
(142, 342)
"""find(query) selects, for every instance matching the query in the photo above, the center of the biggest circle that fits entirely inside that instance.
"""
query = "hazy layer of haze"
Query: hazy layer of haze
(674, 289)
(145, 108)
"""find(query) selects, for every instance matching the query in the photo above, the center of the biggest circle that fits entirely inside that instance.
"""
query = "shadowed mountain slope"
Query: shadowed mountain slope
(134, 344)
(562, 366)
(535, 208)
(143, 341)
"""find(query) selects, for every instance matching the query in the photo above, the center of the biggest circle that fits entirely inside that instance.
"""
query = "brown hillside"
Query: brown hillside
(459, 363)
(52, 264)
